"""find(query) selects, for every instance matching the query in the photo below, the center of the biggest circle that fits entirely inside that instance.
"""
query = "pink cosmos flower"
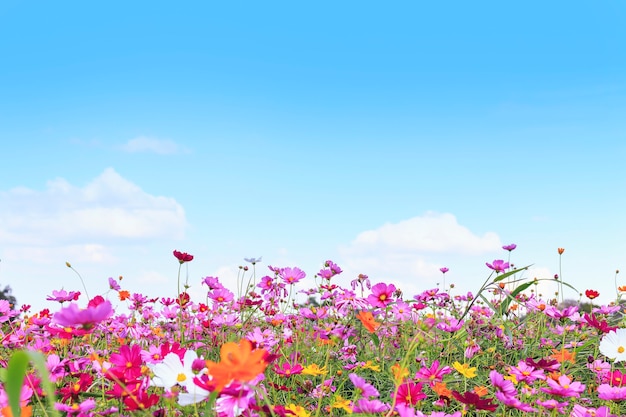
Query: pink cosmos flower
(221, 295)
(444, 270)
(365, 389)
(580, 411)
(433, 374)
(527, 373)
(291, 275)
(498, 265)
(83, 318)
(510, 247)
(563, 387)
(287, 370)
(611, 393)
(62, 296)
(382, 295)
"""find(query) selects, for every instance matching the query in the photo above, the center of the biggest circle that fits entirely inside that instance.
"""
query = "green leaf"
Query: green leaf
(16, 372)
(511, 297)
(376, 339)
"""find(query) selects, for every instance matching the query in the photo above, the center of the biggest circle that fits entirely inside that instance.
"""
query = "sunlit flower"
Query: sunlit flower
(173, 371)
(297, 410)
(613, 345)
(367, 318)
(314, 369)
(238, 361)
(382, 295)
(465, 369)
(291, 275)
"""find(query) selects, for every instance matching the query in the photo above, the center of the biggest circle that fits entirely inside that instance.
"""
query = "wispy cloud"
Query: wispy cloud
(158, 146)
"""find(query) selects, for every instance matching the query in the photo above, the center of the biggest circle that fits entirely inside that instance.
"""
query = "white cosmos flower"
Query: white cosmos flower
(172, 371)
(613, 345)
(253, 260)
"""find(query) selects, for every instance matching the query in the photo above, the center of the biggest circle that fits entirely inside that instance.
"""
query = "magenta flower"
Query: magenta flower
(444, 270)
(382, 295)
(287, 370)
(62, 296)
(498, 265)
(611, 393)
(365, 389)
(510, 247)
(433, 373)
(409, 393)
(581, 411)
(292, 275)
(83, 318)
(221, 295)
(563, 387)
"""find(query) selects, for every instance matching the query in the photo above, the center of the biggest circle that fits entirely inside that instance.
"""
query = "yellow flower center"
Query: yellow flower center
(181, 377)
(620, 349)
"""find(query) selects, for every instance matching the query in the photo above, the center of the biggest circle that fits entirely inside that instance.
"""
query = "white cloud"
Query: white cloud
(146, 144)
(432, 232)
(108, 208)
(409, 253)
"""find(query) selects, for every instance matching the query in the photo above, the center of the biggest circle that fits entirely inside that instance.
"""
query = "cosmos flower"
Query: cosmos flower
(510, 247)
(382, 295)
(498, 265)
(183, 256)
(613, 345)
(83, 318)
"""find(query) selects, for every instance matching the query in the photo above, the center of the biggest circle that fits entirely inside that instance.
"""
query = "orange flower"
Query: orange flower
(399, 373)
(442, 390)
(368, 321)
(622, 288)
(563, 356)
(238, 362)
(27, 411)
(481, 391)
(123, 294)
(561, 250)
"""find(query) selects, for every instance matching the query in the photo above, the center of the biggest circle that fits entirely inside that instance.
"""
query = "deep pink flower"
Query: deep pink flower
(498, 265)
(382, 295)
(183, 257)
(444, 270)
(409, 393)
(510, 247)
(474, 402)
(433, 374)
(126, 365)
(287, 370)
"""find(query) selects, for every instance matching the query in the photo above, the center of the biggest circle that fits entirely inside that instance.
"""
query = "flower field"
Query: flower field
(367, 349)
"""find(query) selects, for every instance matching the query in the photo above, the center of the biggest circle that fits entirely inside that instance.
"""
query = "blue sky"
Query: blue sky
(393, 140)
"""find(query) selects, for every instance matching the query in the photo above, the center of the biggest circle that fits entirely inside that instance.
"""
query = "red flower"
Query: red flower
(183, 257)
(473, 401)
(591, 294)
